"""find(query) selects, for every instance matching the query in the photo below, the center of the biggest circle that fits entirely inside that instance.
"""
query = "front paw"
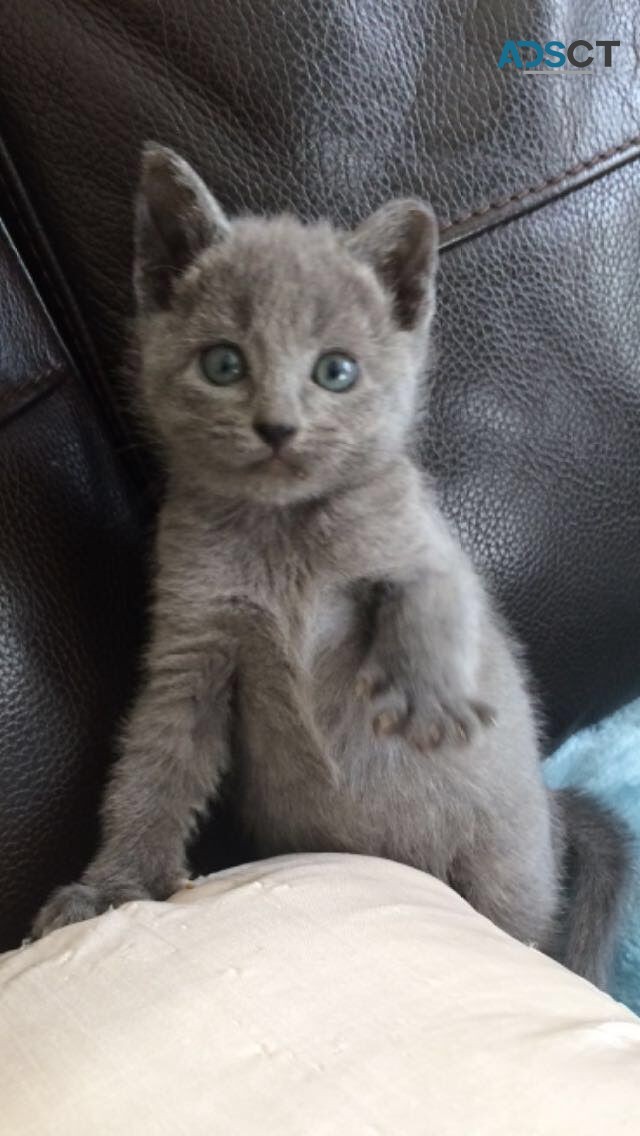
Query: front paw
(425, 717)
(77, 902)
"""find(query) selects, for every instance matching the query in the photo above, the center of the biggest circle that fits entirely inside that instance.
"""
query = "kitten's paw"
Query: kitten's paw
(432, 723)
(423, 718)
(77, 902)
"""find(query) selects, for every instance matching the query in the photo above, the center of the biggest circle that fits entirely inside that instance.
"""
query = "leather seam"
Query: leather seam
(40, 260)
(63, 326)
(46, 382)
(540, 187)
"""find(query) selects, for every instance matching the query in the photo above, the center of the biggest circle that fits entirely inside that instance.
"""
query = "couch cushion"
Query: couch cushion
(308, 994)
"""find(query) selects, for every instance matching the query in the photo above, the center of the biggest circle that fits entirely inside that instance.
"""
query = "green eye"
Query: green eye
(223, 364)
(335, 372)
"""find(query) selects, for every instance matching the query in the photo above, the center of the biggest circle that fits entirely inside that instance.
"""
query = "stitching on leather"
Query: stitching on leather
(48, 373)
(45, 383)
(533, 190)
(40, 377)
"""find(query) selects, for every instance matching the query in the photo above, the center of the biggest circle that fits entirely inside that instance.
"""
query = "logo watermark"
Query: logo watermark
(554, 58)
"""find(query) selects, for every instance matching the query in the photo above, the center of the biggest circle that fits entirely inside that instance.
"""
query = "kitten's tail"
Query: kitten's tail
(597, 867)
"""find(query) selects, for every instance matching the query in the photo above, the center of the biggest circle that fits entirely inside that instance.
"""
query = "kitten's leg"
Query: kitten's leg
(274, 699)
(421, 669)
(176, 747)
(173, 753)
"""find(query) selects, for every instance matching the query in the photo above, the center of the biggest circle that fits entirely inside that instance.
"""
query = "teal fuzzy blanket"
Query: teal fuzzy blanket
(605, 761)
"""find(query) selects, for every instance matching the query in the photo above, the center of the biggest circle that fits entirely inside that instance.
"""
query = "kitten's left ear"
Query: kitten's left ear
(177, 217)
(400, 242)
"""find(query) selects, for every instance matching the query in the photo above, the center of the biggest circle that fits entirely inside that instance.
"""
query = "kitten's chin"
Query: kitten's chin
(278, 483)
(273, 481)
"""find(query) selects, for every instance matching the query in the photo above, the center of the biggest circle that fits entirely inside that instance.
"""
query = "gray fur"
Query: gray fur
(382, 707)
(597, 860)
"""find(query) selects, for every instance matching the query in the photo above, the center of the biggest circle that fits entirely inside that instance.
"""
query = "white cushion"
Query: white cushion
(307, 996)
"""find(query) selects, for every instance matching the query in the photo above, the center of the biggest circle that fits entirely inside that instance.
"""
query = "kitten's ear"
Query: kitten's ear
(176, 218)
(400, 242)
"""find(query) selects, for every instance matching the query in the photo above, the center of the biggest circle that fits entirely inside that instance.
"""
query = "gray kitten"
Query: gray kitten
(302, 563)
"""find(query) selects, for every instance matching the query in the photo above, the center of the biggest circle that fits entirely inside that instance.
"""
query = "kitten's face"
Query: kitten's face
(275, 366)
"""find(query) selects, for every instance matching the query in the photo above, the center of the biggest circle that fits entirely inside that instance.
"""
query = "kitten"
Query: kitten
(382, 708)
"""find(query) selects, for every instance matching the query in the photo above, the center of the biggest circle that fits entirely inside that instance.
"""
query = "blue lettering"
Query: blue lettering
(509, 54)
(537, 47)
(555, 50)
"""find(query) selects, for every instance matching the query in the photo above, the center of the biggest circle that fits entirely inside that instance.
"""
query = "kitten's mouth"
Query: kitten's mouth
(280, 464)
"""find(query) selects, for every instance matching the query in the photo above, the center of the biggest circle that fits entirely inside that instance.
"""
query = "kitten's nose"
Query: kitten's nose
(275, 434)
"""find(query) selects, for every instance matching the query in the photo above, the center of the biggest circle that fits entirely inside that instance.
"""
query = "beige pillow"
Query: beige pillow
(307, 996)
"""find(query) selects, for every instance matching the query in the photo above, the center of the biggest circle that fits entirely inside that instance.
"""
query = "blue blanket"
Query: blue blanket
(605, 761)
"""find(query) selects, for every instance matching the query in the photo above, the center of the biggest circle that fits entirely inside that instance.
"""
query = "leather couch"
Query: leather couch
(323, 108)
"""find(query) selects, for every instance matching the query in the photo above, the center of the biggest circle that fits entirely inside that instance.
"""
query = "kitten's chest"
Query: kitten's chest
(274, 566)
(332, 616)
(319, 610)
(282, 563)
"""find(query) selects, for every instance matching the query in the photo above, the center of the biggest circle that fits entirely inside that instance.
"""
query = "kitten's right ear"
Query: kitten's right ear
(177, 217)
(400, 242)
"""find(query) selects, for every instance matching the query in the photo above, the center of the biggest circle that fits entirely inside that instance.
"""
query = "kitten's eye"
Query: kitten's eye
(223, 364)
(335, 372)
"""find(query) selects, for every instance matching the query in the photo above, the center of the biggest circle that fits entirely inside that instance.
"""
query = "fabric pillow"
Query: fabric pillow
(306, 996)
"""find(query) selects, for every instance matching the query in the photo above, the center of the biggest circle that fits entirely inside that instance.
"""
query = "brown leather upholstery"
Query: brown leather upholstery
(325, 108)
